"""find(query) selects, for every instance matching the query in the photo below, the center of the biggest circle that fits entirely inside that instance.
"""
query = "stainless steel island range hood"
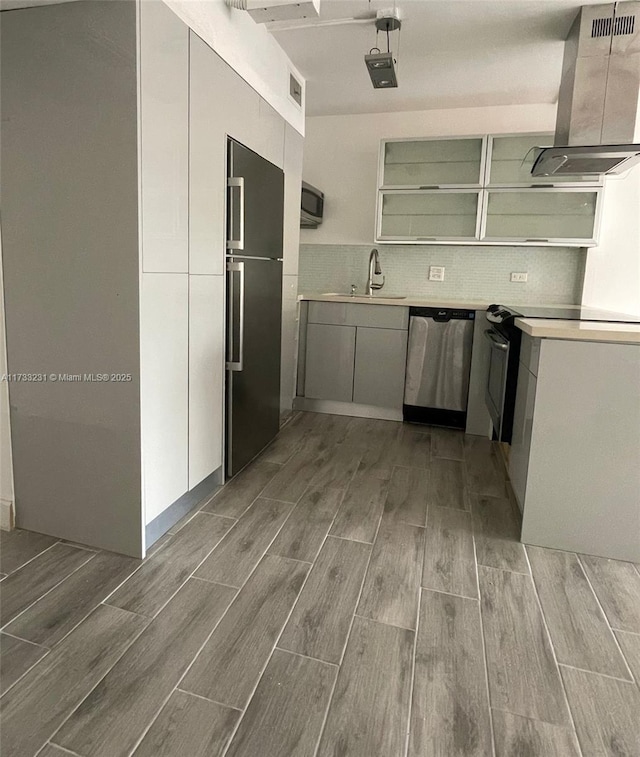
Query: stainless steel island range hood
(598, 122)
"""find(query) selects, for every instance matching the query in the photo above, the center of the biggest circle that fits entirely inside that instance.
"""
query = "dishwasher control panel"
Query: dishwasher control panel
(443, 314)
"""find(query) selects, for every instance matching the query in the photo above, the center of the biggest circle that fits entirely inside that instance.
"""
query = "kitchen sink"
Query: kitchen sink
(365, 296)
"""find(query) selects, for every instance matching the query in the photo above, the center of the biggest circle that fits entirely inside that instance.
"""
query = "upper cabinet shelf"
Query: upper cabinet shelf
(479, 190)
(432, 163)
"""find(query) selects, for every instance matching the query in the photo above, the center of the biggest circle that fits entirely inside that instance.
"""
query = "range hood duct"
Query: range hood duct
(598, 122)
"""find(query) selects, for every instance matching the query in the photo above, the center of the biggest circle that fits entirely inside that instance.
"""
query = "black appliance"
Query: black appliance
(505, 337)
(254, 303)
(311, 207)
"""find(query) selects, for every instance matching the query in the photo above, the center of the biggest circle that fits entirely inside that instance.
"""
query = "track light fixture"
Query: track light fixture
(381, 66)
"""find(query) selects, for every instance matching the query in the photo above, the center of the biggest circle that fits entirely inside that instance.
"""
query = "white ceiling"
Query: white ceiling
(452, 54)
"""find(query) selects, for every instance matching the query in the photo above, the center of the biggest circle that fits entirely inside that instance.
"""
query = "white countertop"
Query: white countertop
(548, 328)
(588, 331)
(406, 302)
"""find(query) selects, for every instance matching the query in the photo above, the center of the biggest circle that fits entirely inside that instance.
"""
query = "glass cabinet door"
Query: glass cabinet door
(432, 163)
(530, 215)
(428, 215)
(511, 160)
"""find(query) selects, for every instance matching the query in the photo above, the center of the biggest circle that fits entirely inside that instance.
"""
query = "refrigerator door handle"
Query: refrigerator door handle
(236, 182)
(236, 365)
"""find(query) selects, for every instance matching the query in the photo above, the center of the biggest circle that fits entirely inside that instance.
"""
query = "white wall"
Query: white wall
(6, 468)
(341, 157)
(612, 274)
(248, 48)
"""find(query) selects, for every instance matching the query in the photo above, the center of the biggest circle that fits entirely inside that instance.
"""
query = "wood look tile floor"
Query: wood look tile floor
(358, 591)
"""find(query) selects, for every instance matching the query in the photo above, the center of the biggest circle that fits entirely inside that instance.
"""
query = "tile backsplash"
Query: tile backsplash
(555, 274)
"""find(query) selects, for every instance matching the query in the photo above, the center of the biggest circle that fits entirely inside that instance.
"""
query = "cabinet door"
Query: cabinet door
(432, 162)
(521, 438)
(293, 146)
(428, 215)
(164, 139)
(164, 391)
(268, 140)
(544, 215)
(381, 356)
(511, 158)
(221, 104)
(329, 364)
(206, 375)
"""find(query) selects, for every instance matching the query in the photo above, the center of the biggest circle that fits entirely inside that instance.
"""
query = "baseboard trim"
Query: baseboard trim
(347, 408)
(7, 515)
(169, 517)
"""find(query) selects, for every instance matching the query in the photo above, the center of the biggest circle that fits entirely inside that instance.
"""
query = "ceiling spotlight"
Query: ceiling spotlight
(381, 70)
(381, 66)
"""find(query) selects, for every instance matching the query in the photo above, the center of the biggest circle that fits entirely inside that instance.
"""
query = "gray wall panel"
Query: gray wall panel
(70, 246)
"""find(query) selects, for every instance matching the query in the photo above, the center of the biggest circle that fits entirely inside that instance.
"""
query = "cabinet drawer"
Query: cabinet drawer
(347, 314)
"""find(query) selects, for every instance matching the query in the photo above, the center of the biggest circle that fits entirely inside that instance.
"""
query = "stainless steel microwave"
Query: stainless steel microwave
(311, 207)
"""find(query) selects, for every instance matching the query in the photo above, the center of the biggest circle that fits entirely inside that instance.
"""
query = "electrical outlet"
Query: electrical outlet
(436, 273)
(519, 277)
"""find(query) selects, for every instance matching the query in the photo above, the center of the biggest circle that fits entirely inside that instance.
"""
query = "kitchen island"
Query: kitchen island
(574, 462)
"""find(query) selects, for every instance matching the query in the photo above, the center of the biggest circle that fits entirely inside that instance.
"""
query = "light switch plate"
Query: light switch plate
(436, 273)
(519, 277)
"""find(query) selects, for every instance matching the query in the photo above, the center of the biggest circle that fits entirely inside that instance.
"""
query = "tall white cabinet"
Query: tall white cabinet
(130, 279)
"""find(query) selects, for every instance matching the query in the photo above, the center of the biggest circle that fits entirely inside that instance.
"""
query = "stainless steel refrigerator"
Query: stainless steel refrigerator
(255, 207)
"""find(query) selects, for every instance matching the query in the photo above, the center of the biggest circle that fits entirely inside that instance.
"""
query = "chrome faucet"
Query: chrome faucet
(374, 270)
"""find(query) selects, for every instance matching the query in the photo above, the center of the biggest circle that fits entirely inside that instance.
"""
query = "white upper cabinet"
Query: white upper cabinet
(222, 105)
(268, 140)
(208, 165)
(511, 158)
(542, 215)
(429, 215)
(164, 139)
(479, 190)
(430, 163)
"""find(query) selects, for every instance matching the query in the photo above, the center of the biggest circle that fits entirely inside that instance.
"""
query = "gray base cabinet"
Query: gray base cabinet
(330, 362)
(522, 428)
(353, 360)
(381, 356)
(353, 356)
(576, 446)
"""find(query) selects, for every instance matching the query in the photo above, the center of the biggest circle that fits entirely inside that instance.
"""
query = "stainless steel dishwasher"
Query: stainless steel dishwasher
(438, 366)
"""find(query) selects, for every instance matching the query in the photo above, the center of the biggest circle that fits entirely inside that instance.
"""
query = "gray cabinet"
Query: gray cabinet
(354, 359)
(521, 438)
(381, 356)
(330, 362)
(356, 314)
(576, 444)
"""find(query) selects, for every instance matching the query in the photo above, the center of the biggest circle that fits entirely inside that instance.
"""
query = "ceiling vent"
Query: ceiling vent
(624, 25)
(601, 27)
(268, 11)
